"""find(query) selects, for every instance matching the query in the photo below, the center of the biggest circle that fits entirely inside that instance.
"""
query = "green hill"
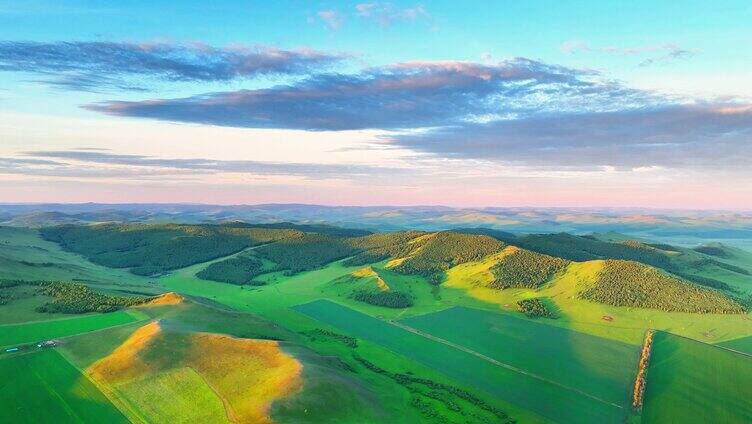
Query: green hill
(438, 252)
(628, 283)
(149, 249)
(525, 269)
(579, 248)
(236, 270)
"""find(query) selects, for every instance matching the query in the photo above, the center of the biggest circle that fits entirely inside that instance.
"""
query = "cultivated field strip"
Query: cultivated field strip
(528, 392)
(498, 363)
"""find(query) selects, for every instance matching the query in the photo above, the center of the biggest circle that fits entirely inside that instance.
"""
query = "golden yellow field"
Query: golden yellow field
(246, 375)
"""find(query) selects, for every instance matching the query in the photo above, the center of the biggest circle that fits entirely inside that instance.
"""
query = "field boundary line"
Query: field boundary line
(129, 412)
(709, 344)
(498, 363)
(86, 332)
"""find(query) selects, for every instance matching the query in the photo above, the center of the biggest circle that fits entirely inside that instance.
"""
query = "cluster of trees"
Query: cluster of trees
(150, 249)
(628, 283)
(638, 393)
(705, 281)
(76, 298)
(664, 247)
(708, 262)
(439, 252)
(712, 251)
(378, 247)
(307, 252)
(434, 390)
(389, 299)
(525, 269)
(577, 248)
(238, 270)
(348, 341)
(535, 308)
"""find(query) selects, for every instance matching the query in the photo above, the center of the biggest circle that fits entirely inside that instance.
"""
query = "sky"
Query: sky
(468, 104)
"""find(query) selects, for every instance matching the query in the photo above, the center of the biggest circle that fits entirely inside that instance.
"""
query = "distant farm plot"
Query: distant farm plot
(594, 365)
(548, 398)
(43, 387)
(693, 382)
(35, 331)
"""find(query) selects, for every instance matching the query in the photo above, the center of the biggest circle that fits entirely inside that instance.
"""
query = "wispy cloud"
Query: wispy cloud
(386, 13)
(126, 66)
(652, 54)
(68, 163)
(331, 18)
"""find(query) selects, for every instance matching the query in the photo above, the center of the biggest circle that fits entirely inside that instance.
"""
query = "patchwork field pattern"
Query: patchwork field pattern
(542, 396)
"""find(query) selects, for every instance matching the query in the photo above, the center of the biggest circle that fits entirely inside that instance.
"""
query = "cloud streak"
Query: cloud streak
(658, 53)
(331, 18)
(402, 96)
(696, 136)
(385, 14)
(67, 162)
(96, 65)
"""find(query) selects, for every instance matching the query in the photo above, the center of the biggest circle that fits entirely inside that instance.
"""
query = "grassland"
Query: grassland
(24, 255)
(14, 334)
(692, 382)
(527, 391)
(43, 387)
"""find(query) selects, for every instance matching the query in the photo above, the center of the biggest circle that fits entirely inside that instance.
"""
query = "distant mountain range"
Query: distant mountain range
(655, 223)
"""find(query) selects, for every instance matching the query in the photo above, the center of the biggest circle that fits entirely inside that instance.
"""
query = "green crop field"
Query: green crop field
(178, 395)
(542, 396)
(601, 367)
(43, 387)
(14, 334)
(743, 344)
(693, 382)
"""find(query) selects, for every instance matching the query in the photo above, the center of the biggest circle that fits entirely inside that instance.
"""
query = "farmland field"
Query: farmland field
(27, 333)
(542, 396)
(743, 344)
(595, 365)
(43, 387)
(693, 382)
(175, 396)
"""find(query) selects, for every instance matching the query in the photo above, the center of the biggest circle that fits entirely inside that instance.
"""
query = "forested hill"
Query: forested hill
(151, 249)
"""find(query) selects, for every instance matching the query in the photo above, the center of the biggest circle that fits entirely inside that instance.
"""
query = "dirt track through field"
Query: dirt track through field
(498, 363)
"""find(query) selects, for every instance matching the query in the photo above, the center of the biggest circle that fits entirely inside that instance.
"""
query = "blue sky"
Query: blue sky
(465, 103)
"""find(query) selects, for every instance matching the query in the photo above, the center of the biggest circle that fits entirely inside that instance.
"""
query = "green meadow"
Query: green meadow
(43, 387)
(545, 397)
(14, 334)
(693, 382)
(600, 367)
(24, 255)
